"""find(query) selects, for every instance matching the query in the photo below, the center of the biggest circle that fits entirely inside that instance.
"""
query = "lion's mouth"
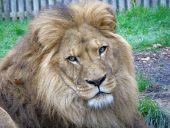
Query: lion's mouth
(101, 100)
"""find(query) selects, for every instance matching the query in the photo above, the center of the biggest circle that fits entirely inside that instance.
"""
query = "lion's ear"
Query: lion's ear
(104, 19)
(97, 14)
(48, 28)
(46, 31)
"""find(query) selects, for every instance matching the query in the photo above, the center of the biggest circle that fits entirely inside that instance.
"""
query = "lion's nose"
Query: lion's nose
(97, 82)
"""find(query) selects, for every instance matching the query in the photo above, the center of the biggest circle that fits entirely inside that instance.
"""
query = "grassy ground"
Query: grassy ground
(145, 27)
(143, 82)
(141, 27)
(10, 32)
(154, 116)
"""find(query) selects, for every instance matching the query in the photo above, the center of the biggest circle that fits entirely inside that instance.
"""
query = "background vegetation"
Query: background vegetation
(10, 32)
(144, 27)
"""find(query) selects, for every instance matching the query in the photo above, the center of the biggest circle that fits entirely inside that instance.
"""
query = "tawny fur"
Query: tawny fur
(40, 88)
(5, 120)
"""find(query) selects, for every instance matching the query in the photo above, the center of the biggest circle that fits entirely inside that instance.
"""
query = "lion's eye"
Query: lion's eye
(102, 49)
(72, 59)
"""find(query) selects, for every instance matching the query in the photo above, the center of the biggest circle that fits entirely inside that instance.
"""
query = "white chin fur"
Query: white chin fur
(101, 101)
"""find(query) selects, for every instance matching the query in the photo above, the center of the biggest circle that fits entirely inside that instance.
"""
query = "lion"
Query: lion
(71, 70)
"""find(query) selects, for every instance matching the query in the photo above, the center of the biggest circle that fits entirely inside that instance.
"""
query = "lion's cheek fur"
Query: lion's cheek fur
(57, 96)
(126, 98)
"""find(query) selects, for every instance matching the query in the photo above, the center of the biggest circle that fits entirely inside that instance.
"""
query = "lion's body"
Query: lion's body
(40, 88)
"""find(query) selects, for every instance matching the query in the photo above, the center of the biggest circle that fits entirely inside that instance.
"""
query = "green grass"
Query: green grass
(10, 32)
(144, 27)
(143, 82)
(152, 113)
(154, 116)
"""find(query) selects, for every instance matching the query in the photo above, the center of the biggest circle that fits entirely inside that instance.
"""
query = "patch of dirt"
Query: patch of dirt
(164, 105)
(155, 65)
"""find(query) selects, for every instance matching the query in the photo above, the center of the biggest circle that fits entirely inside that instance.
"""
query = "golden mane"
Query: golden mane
(37, 84)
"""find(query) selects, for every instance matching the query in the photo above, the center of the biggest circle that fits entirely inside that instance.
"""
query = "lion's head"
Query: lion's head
(84, 71)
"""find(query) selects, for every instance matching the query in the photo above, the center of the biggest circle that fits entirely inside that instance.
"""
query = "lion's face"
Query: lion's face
(85, 59)
(84, 65)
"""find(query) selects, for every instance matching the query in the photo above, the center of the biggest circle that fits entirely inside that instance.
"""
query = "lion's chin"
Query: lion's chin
(101, 101)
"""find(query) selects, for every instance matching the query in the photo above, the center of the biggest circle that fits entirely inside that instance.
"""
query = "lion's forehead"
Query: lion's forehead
(82, 39)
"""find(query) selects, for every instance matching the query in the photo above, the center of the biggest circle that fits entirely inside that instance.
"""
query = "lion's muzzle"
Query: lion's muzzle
(101, 100)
